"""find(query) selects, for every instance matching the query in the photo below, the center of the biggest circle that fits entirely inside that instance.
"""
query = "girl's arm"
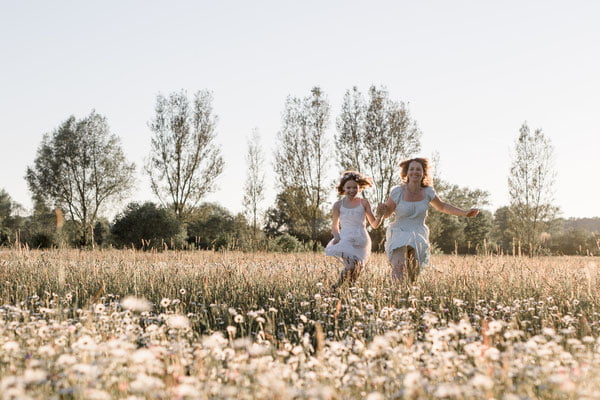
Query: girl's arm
(335, 222)
(373, 221)
(386, 209)
(448, 208)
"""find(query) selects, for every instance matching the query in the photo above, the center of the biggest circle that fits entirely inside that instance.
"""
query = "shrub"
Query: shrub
(147, 226)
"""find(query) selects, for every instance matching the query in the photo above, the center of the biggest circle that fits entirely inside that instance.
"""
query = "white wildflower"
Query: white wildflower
(145, 384)
(448, 390)
(34, 376)
(46, 351)
(458, 302)
(495, 327)
(413, 381)
(186, 390)
(492, 353)
(64, 360)
(11, 347)
(482, 382)
(464, 327)
(216, 340)
(165, 302)
(86, 371)
(178, 322)
(136, 304)
(548, 331)
(143, 356)
(231, 331)
(85, 343)
(97, 394)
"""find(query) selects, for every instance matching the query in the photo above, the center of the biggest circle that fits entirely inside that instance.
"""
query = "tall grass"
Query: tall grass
(208, 311)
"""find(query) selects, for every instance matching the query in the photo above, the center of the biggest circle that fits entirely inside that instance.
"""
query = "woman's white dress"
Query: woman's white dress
(408, 228)
(355, 243)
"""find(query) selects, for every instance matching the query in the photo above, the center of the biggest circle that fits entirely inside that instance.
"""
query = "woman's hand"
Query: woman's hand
(381, 210)
(472, 212)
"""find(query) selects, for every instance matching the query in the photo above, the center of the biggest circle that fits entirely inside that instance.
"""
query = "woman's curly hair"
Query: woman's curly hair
(360, 179)
(426, 180)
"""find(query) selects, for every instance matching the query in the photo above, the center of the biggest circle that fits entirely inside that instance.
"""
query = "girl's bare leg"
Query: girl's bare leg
(350, 272)
(399, 266)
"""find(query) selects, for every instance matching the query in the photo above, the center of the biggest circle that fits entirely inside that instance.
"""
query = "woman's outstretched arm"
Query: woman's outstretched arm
(448, 208)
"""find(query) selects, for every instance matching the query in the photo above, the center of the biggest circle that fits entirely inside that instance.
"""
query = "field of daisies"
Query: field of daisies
(203, 325)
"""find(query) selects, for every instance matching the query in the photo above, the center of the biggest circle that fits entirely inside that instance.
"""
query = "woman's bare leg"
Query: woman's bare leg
(413, 266)
(398, 262)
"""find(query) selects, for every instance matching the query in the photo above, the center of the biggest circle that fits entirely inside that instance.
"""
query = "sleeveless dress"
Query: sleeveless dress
(408, 228)
(355, 242)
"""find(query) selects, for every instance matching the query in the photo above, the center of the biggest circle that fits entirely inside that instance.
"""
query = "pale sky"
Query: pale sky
(471, 71)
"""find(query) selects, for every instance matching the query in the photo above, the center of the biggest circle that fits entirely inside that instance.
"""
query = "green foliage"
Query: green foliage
(212, 226)
(146, 226)
(9, 222)
(39, 229)
(287, 243)
(477, 233)
(102, 232)
(502, 235)
(287, 217)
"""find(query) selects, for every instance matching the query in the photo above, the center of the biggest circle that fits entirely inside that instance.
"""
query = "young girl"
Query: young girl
(351, 244)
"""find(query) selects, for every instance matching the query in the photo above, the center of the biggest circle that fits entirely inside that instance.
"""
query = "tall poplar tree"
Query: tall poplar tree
(254, 186)
(531, 187)
(373, 136)
(184, 161)
(302, 157)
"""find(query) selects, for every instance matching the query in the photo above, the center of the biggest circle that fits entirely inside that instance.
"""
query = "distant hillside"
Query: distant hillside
(586, 224)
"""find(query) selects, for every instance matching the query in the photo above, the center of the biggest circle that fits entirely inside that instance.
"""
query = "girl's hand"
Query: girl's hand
(381, 209)
(335, 241)
(472, 212)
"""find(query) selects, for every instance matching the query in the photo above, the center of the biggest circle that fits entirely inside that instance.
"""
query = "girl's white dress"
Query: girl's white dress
(355, 243)
(408, 228)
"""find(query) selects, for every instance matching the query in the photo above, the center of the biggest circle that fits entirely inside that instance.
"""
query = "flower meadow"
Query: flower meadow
(227, 325)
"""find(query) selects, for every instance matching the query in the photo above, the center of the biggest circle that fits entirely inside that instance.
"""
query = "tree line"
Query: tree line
(80, 171)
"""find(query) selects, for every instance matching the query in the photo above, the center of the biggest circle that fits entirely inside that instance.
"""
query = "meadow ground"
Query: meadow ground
(196, 325)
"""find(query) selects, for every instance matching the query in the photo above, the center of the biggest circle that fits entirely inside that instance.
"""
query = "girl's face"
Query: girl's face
(351, 188)
(415, 172)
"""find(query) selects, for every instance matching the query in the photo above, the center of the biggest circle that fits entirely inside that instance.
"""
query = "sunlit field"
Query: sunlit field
(198, 325)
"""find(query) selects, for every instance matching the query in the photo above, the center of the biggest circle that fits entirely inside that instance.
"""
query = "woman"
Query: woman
(407, 238)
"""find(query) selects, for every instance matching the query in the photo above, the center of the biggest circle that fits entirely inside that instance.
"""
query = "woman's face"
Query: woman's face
(415, 172)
